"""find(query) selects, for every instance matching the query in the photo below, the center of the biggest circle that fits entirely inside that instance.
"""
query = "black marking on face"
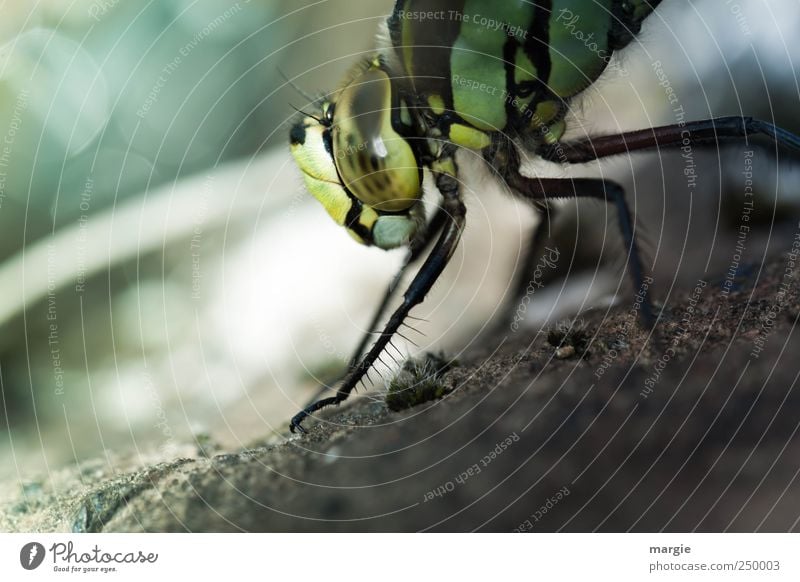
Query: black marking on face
(351, 221)
(327, 141)
(297, 135)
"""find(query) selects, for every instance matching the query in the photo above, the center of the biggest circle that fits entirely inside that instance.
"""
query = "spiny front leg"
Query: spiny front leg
(454, 214)
(417, 247)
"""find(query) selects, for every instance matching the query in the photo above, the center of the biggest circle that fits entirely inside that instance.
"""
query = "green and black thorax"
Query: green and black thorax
(454, 73)
(508, 66)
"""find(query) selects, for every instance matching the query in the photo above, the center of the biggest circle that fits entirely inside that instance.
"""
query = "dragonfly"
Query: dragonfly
(492, 76)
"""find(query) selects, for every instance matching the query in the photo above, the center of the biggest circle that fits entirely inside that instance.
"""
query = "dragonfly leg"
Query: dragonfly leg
(705, 132)
(541, 190)
(417, 248)
(452, 228)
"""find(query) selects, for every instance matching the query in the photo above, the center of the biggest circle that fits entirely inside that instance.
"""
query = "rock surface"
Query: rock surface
(595, 426)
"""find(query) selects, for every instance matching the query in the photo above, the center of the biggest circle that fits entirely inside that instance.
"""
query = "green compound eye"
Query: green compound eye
(375, 162)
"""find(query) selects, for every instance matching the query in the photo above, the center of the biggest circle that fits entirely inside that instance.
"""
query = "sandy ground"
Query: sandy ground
(599, 425)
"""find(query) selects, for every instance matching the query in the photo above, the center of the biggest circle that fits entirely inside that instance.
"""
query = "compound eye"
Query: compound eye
(375, 162)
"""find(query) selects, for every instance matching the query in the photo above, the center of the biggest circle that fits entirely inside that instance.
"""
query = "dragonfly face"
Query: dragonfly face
(358, 166)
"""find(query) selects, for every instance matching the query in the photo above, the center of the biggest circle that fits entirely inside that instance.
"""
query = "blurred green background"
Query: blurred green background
(106, 108)
(164, 275)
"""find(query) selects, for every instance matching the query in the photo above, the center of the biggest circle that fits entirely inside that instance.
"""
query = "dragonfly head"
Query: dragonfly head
(354, 161)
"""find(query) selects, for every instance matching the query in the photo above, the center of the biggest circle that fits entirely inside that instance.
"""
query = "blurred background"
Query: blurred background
(165, 277)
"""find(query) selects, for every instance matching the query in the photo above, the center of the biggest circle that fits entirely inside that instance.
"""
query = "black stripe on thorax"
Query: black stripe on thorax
(537, 44)
(432, 40)
(512, 91)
